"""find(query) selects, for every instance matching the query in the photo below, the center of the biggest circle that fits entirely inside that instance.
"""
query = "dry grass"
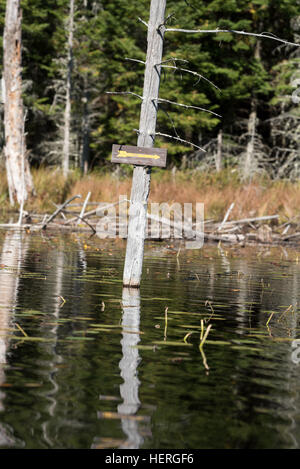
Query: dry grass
(216, 191)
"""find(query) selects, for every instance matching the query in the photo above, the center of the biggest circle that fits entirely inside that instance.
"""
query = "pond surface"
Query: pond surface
(84, 364)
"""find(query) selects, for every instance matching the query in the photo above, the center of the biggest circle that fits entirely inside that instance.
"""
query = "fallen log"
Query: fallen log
(250, 220)
(58, 210)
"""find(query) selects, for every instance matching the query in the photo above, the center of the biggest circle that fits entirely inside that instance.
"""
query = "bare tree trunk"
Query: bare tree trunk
(249, 163)
(67, 116)
(17, 167)
(85, 156)
(142, 174)
(218, 157)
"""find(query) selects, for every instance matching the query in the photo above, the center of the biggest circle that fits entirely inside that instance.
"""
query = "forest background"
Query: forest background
(252, 150)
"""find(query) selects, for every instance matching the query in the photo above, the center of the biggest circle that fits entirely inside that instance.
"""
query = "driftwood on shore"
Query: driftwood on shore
(264, 229)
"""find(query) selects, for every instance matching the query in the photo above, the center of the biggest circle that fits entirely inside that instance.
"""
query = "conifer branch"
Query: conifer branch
(265, 35)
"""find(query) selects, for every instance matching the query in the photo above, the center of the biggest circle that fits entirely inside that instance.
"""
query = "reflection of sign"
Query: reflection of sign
(139, 155)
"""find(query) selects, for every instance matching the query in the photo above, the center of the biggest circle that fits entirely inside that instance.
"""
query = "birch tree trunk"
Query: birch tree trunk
(67, 115)
(19, 179)
(85, 155)
(142, 174)
(249, 164)
(218, 156)
(249, 159)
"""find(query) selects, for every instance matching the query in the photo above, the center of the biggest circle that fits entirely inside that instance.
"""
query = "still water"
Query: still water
(85, 364)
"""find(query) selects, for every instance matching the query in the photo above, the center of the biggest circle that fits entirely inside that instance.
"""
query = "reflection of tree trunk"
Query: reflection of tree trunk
(54, 357)
(17, 166)
(13, 254)
(128, 366)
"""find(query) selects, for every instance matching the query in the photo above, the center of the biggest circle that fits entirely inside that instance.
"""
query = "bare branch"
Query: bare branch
(179, 139)
(166, 20)
(59, 209)
(192, 73)
(243, 33)
(171, 120)
(142, 21)
(161, 100)
(173, 59)
(125, 92)
(135, 60)
(83, 207)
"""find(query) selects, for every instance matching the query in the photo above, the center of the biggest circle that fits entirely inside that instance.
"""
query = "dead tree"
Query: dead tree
(19, 179)
(67, 115)
(218, 156)
(142, 175)
(147, 130)
(249, 161)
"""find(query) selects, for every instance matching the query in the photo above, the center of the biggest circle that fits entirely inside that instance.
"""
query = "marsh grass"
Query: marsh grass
(217, 191)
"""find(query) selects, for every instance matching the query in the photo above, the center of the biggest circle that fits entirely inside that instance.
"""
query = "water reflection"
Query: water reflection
(129, 390)
(55, 279)
(245, 394)
(133, 426)
(14, 250)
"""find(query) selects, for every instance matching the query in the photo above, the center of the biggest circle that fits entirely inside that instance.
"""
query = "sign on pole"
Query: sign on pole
(140, 156)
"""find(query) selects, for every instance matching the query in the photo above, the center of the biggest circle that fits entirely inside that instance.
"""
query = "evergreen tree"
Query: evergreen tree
(106, 33)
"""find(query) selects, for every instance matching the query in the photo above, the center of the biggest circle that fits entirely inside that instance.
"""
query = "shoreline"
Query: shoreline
(261, 211)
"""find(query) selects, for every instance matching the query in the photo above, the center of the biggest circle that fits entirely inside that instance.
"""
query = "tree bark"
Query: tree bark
(67, 116)
(249, 163)
(85, 156)
(19, 179)
(142, 174)
(218, 156)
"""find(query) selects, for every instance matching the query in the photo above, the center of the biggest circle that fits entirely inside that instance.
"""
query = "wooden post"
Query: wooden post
(142, 174)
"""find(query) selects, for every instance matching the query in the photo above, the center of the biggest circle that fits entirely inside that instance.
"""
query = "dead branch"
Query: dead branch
(177, 138)
(144, 22)
(135, 60)
(294, 235)
(95, 211)
(192, 73)
(226, 216)
(243, 33)
(83, 208)
(161, 100)
(125, 92)
(86, 222)
(172, 59)
(58, 210)
(249, 220)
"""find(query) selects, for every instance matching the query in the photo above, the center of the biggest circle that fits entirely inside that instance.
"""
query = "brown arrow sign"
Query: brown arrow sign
(139, 156)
